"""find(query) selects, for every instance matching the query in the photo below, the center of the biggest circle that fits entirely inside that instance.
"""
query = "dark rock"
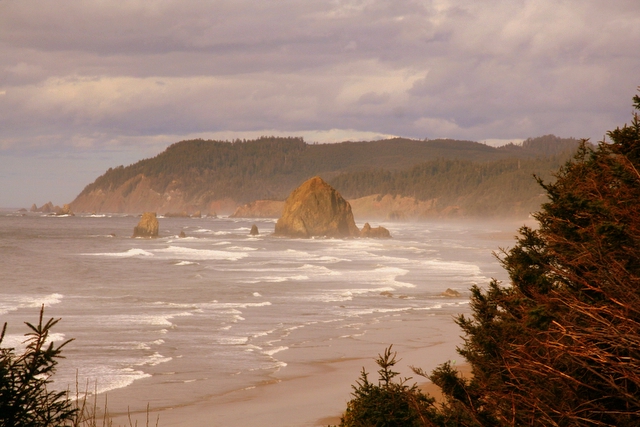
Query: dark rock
(254, 230)
(316, 209)
(376, 233)
(148, 226)
(450, 293)
(182, 235)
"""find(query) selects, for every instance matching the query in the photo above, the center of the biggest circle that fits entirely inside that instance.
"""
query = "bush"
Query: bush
(389, 403)
(24, 397)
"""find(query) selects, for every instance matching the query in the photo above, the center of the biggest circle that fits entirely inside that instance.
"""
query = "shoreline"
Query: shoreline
(311, 390)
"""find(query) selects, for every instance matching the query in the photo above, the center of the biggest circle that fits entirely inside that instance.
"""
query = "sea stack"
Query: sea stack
(254, 230)
(316, 209)
(148, 226)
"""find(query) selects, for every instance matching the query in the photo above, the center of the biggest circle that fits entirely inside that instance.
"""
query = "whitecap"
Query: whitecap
(155, 359)
(273, 351)
(14, 302)
(181, 263)
(201, 254)
(130, 253)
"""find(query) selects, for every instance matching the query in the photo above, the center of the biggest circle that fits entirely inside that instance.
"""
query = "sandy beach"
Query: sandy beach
(312, 390)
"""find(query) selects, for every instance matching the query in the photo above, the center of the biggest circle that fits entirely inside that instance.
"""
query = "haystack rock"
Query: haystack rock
(376, 233)
(148, 226)
(316, 209)
(254, 230)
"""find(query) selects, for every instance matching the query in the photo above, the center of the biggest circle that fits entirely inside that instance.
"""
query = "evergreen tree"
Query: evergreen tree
(560, 346)
(25, 400)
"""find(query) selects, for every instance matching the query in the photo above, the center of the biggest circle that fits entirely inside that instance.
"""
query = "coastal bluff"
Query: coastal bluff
(315, 209)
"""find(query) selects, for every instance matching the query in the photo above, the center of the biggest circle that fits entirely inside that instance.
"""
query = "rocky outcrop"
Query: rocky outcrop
(254, 230)
(316, 209)
(148, 226)
(260, 209)
(375, 233)
(65, 210)
(450, 293)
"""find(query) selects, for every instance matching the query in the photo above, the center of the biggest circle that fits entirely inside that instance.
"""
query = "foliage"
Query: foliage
(24, 397)
(389, 403)
(270, 168)
(561, 345)
(25, 400)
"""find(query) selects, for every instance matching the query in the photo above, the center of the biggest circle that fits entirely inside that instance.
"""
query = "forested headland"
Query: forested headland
(206, 175)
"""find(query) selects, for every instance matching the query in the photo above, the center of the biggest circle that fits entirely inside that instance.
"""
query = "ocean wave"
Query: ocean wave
(127, 254)
(10, 303)
(181, 263)
(273, 351)
(201, 254)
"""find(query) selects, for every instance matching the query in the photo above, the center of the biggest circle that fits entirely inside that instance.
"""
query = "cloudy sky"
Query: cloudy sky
(86, 85)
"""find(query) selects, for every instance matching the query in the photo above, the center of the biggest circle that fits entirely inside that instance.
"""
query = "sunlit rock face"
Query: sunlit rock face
(315, 209)
(148, 226)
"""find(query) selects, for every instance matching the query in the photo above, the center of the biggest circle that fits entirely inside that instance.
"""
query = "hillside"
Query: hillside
(217, 176)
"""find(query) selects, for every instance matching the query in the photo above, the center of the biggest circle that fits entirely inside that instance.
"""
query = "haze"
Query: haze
(85, 86)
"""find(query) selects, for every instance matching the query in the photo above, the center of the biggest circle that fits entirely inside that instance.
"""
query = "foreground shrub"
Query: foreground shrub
(25, 400)
(24, 397)
(389, 403)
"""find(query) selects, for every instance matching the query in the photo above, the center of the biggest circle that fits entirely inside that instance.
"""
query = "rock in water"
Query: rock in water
(450, 293)
(254, 230)
(316, 209)
(182, 235)
(377, 233)
(148, 226)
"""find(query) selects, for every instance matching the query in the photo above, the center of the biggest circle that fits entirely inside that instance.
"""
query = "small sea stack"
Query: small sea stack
(148, 226)
(254, 230)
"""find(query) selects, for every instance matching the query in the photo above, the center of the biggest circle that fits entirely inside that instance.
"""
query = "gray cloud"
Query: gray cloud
(102, 74)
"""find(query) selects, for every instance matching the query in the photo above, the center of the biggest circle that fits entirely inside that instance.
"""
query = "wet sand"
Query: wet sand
(312, 390)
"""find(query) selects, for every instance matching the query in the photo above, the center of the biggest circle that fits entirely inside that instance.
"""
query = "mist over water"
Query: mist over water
(221, 303)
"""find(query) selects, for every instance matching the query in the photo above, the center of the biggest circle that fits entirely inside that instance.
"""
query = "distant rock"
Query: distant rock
(148, 226)
(197, 214)
(254, 230)
(316, 209)
(182, 235)
(34, 208)
(376, 233)
(259, 209)
(65, 210)
(450, 293)
(47, 208)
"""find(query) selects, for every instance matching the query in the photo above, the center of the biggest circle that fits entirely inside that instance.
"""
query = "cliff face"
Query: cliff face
(260, 209)
(316, 209)
(137, 195)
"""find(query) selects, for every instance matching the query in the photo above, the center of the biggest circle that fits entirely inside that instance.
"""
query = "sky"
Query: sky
(88, 85)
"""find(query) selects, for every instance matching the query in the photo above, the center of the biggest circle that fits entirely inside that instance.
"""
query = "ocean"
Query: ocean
(220, 303)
